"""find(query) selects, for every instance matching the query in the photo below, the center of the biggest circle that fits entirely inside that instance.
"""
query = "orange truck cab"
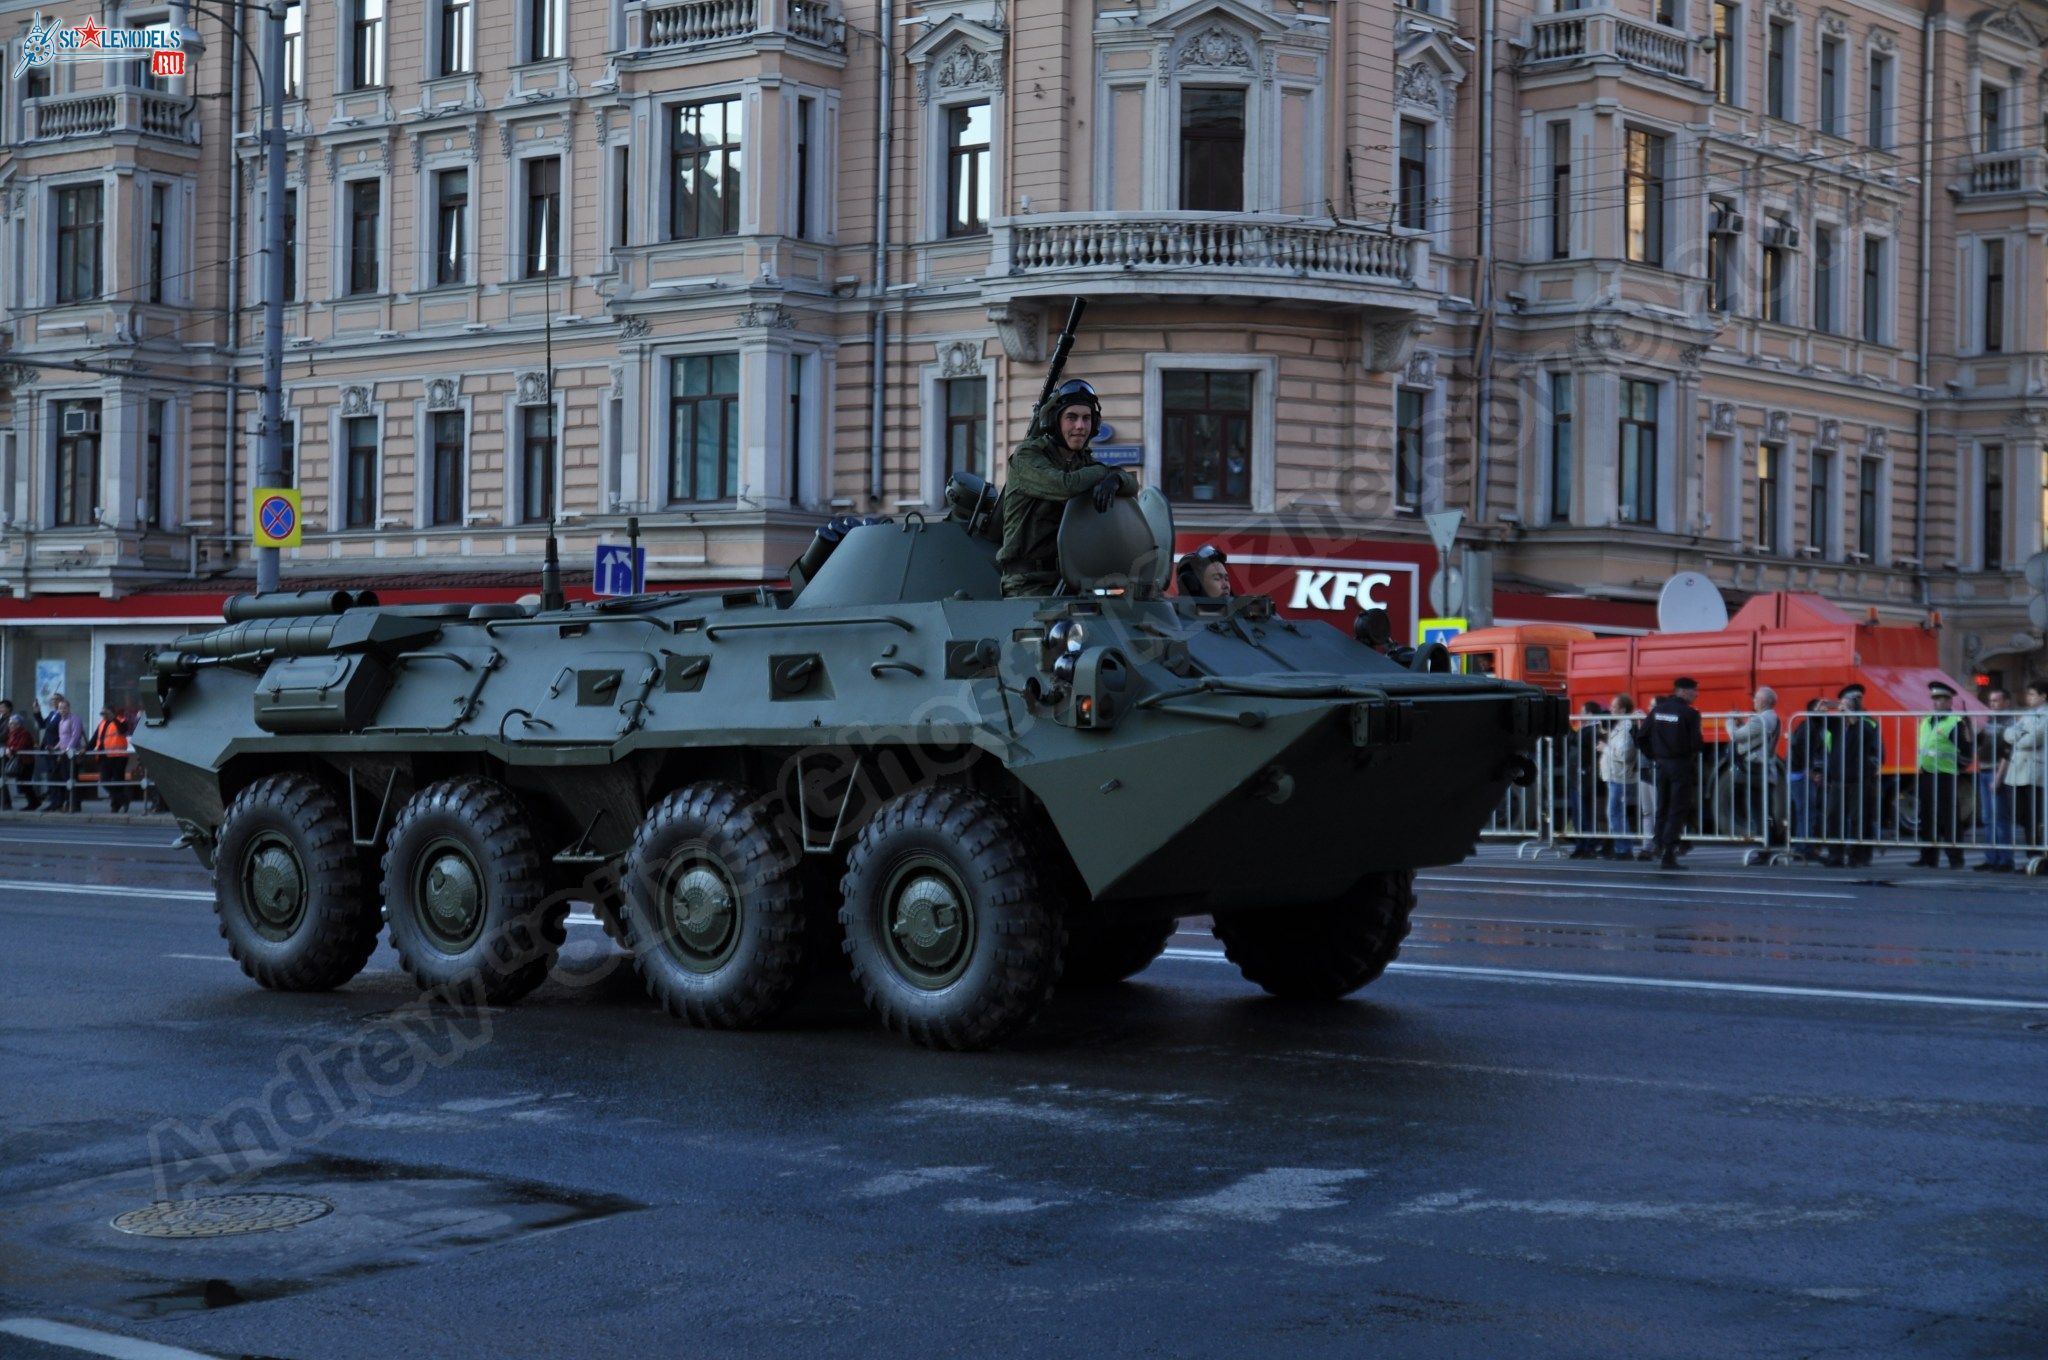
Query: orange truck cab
(1532, 652)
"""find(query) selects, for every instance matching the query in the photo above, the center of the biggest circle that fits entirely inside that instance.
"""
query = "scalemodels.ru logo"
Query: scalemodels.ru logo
(52, 42)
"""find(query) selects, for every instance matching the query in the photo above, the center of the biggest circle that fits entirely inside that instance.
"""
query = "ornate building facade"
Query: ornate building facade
(1753, 288)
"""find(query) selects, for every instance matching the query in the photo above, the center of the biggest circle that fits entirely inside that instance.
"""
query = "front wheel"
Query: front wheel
(952, 930)
(1325, 951)
(288, 886)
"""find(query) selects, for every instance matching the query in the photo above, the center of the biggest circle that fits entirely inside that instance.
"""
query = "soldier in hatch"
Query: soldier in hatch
(1047, 470)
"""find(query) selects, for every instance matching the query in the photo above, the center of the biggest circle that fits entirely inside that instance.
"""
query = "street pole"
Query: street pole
(270, 454)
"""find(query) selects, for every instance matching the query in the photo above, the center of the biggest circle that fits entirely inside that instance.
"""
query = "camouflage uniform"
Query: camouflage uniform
(1044, 475)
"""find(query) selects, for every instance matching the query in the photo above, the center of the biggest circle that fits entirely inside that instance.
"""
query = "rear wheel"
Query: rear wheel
(289, 887)
(1325, 951)
(715, 911)
(464, 891)
(1101, 953)
(953, 934)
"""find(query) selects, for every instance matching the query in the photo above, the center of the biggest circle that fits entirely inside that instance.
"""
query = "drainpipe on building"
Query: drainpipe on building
(234, 300)
(1481, 611)
(1926, 391)
(878, 330)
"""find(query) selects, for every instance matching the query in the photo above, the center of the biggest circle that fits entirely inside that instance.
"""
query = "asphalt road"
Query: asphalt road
(1595, 1111)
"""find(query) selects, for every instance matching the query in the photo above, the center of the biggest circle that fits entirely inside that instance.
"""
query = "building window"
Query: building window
(1779, 238)
(149, 503)
(1409, 405)
(704, 170)
(444, 493)
(1645, 196)
(291, 245)
(1212, 149)
(458, 37)
(1562, 454)
(1206, 449)
(1669, 14)
(78, 464)
(795, 441)
(1994, 297)
(359, 472)
(1991, 508)
(294, 49)
(1721, 243)
(1869, 476)
(451, 227)
(537, 464)
(1873, 290)
(1727, 59)
(366, 44)
(287, 452)
(806, 132)
(1414, 175)
(966, 427)
(1778, 69)
(1824, 284)
(1831, 101)
(1877, 116)
(1638, 499)
(365, 211)
(544, 32)
(79, 275)
(1820, 502)
(1990, 123)
(543, 217)
(703, 427)
(1560, 190)
(967, 186)
(159, 225)
(1769, 468)
(622, 188)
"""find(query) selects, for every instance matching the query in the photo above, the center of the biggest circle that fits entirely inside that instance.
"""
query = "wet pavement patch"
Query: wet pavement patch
(277, 1236)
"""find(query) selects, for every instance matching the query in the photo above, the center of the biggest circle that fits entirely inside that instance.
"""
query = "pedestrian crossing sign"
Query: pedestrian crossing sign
(274, 516)
(1438, 630)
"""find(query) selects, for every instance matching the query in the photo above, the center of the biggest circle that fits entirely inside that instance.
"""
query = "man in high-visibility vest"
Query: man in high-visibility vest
(1945, 740)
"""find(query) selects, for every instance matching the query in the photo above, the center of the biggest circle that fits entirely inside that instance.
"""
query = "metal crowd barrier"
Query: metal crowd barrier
(56, 779)
(1852, 787)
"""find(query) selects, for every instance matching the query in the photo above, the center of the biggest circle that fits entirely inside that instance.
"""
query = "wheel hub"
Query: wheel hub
(274, 885)
(450, 895)
(701, 913)
(929, 925)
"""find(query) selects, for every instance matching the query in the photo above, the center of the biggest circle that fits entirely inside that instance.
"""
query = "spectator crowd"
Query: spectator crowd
(49, 761)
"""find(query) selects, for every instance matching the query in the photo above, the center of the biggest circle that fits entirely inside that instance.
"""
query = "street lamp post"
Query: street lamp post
(270, 448)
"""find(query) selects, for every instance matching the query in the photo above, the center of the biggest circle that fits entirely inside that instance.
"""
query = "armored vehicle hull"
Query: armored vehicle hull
(961, 795)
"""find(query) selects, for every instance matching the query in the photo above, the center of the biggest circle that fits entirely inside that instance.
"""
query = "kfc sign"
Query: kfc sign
(1316, 588)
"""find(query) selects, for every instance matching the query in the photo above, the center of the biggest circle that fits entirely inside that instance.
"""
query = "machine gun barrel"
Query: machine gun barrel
(1060, 352)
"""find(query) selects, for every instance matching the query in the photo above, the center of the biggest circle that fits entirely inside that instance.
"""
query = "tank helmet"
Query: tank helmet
(1188, 572)
(1072, 392)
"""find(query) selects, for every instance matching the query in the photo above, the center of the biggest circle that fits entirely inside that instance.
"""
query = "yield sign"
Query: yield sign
(1443, 528)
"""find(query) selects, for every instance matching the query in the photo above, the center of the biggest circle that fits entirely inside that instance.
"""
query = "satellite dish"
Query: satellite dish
(1689, 603)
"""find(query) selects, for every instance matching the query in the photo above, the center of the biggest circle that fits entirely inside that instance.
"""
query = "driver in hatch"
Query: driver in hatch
(1047, 470)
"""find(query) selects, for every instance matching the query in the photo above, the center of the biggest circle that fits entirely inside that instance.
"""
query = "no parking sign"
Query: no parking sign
(274, 514)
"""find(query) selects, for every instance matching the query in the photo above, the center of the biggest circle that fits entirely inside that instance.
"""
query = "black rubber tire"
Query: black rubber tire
(1013, 936)
(519, 923)
(1325, 951)
(1102, 954)
(335, 933)
(759, 959)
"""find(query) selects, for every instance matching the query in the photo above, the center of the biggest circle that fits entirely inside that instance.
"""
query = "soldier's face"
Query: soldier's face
(1076, 424)
(1215, 580)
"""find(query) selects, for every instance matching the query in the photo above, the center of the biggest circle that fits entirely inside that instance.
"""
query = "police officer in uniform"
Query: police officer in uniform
(1944, 740)
(1047, 470)
(1675, 743)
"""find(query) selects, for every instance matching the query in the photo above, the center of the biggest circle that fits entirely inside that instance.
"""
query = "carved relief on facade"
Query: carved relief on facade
(1419, 86)
(769, 315)
(533, 389)
(355, 401)
(1421, 370)
(964, 67)
(1021, 328)
(1722, 421)
(1830, 434)
(960, 359)
(441, 394)
(1215, 48)
(1777, 425)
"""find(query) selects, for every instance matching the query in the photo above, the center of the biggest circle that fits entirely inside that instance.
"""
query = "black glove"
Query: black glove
(1106, 489)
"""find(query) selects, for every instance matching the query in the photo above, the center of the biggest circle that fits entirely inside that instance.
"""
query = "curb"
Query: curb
(41, 818)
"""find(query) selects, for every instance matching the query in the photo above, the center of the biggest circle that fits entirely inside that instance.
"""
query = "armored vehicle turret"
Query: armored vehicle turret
(965, 796)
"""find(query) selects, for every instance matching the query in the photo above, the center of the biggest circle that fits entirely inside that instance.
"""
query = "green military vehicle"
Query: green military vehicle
(962, 796)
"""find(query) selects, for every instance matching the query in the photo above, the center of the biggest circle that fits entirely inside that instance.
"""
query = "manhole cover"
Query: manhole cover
(221, 1215)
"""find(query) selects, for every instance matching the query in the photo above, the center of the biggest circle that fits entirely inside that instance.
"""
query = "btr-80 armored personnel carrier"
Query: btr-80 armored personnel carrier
(966, 795)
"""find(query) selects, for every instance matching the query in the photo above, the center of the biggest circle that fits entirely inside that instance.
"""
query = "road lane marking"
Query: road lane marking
(106, 890)
(1532, 976)
(109, 1344)
(1473, 884)
(203, 958)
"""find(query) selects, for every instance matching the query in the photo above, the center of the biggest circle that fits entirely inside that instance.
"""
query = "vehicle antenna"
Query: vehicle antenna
(551, 562)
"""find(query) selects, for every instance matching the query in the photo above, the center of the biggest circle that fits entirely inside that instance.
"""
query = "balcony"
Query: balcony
(1588, 35)
(99, 113)
(2004, 174)
(682, 26)
(1243, 254)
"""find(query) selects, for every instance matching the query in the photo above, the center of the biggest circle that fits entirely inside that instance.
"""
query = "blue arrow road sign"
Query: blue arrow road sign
(620, 570)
